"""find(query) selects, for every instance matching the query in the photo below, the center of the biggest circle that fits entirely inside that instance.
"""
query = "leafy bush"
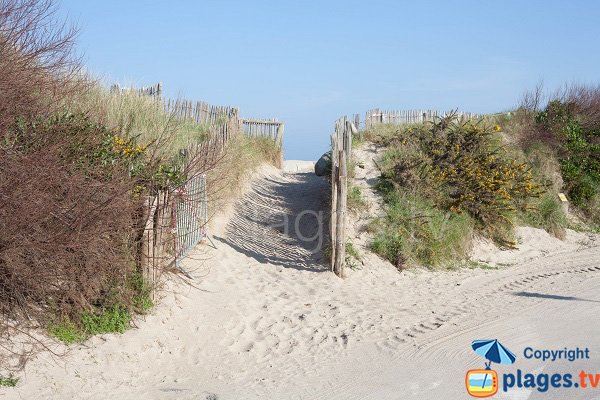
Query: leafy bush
(569, 126)
(461, 167)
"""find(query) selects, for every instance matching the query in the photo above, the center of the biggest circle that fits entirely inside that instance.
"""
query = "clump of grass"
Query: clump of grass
(114, 318)
(8, 381)
(415, 232)
(66, 331)
(352, 256)
(547, 213)
(144, 118)
(356, 201)
(358, 139)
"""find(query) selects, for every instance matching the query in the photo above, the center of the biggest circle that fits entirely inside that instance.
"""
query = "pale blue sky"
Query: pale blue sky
(309, 62)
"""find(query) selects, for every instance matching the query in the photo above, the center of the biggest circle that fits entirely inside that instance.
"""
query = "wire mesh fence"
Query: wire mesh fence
(177, 218)
(190, 217)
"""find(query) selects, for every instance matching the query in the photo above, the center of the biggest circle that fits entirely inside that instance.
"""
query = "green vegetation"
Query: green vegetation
(546, 213)
(562, 142)
(414, 231)
(356, 201)
(140, 117)
(442, 181)
(67, 332)
(352, 257)
(9, 381)
(115, 318)
(579, 151)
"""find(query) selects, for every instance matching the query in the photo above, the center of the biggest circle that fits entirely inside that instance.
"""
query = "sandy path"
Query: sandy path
(270, 322)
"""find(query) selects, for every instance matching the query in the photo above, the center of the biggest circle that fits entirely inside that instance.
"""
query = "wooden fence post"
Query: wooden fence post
(340, 217)
(334, 193)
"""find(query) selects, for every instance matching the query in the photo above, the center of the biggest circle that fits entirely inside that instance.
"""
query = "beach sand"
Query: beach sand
(266, 319)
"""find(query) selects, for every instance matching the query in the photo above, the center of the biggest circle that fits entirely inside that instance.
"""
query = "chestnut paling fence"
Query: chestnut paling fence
(341, 153)
(175, 219)
(399, 117)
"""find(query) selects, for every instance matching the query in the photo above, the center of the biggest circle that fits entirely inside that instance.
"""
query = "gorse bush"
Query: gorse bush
(441, 182)
(461, 167)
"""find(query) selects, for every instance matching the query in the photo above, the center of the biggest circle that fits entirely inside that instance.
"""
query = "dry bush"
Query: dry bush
(37, 68)
(68, 217)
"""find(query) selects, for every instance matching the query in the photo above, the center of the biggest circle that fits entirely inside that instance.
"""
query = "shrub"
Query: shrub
(37, 69)
(68, 222)
(569, 126)
(461, 167)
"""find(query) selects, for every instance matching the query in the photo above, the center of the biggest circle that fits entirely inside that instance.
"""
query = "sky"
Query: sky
(309, 62)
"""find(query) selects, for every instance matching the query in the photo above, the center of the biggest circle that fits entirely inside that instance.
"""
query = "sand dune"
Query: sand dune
(267, 320)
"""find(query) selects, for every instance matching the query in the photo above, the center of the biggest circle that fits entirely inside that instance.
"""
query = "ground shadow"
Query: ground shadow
(552, 296)
(282, 221)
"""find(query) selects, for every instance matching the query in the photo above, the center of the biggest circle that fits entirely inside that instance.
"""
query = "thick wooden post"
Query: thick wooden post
(340, 217)
(334, 196)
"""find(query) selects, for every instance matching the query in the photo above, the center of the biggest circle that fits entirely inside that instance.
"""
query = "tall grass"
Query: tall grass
(415, 232)
(144, 118)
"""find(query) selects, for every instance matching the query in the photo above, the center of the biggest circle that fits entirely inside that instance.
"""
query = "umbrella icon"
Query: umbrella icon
(493, 351)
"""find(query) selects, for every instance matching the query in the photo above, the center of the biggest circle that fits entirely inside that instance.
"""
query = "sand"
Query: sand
(267, 320)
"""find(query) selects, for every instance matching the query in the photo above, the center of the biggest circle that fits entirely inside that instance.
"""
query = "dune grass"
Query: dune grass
(142, 117)
(415, 232)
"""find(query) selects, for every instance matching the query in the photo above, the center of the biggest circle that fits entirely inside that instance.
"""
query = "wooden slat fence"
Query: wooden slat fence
(270, 128)
(399, 117)
(176, 219)
(200, 112)
(153, 90)
(341, 154)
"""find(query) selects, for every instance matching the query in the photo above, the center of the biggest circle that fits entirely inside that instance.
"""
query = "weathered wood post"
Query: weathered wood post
(279, 141)
(334, 195)
(340, 240)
